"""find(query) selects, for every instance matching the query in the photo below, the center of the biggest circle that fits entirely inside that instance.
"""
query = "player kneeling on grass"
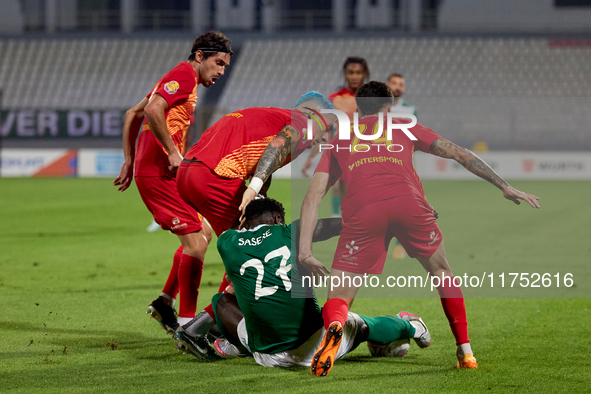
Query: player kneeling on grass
(272, 315)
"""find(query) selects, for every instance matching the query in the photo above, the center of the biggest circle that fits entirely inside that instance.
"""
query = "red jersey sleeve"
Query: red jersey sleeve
(329, 164)
(425, 137)
(177, 85)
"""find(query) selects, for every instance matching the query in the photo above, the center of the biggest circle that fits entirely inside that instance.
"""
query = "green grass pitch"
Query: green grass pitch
(77, 270)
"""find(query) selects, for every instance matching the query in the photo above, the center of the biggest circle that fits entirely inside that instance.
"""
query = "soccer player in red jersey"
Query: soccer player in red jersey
(385, 198)
(164, 116)
(252, 142)
(356, 71)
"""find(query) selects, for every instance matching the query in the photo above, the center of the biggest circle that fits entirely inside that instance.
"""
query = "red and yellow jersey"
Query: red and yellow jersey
(233, 146)
(179, 89)
(344, 100)
(378, 169)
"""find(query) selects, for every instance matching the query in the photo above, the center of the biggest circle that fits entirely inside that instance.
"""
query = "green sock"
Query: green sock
(386, 329)
(336, 205)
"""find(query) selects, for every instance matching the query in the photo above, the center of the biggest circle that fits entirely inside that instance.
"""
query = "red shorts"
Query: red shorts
(168, 208)
(215, 197)
(364, 240)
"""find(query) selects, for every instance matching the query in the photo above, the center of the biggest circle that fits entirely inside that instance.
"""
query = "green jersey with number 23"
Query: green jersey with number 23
(261, 262)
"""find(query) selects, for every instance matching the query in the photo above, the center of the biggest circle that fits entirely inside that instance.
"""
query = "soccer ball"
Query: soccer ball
(397, 348)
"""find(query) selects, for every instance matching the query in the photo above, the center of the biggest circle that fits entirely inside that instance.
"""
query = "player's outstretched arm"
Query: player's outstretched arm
(131, 129)
(308, 163)
(308, 218)
(447, 149)
(327, 228)
(273, 157)
(156, 117)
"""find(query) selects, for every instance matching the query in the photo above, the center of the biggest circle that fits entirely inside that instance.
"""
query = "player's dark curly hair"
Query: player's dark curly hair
(263, 210)
(211, 43)
(373, 97)
(357, 60)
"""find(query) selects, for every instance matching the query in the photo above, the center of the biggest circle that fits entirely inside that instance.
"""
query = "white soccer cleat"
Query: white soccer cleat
(398, 348)
(226, 349)
(424, 339)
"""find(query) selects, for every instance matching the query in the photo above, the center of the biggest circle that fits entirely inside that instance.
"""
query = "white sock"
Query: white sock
(419, 328)
(184, 320)
(464, 349)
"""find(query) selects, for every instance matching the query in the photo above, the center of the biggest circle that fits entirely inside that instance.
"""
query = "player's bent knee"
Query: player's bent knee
(194, 244)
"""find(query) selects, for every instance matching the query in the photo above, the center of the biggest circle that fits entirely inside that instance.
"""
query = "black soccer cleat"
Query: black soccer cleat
(197, 346)
(164, 314)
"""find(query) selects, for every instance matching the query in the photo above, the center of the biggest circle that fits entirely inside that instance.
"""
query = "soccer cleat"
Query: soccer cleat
(424, 340)
(467, 361)
(197, 346)
(324, 357)
(226, 349)
(398, 348)
(164, 314)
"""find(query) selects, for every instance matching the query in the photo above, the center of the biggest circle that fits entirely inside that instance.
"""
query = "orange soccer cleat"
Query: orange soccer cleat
(324, 357)
(467, 361)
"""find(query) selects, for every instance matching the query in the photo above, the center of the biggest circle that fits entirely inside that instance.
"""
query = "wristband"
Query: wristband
(256, 184)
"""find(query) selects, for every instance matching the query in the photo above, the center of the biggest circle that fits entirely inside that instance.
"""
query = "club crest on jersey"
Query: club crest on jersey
(352, 248)
(171, 87)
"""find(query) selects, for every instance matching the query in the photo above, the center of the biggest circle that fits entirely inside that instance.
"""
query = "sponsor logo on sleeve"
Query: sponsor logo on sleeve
(171, 87)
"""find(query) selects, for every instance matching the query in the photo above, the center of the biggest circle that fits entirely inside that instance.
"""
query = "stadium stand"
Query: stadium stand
(92, 73)
(515, 93)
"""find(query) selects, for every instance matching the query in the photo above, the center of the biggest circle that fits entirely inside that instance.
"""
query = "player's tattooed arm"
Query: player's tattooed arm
(276, 152)
(447, 149)
(273, 157)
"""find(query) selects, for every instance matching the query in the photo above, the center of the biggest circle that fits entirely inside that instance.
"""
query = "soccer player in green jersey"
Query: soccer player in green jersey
(272, 314)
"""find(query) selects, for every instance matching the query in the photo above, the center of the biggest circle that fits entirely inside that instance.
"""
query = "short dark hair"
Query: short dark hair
(356, 60)
(394, 75)
(211, 43)
(263, 210)
(372, 97)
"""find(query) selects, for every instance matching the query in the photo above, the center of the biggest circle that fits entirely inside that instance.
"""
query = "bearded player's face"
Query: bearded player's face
(212, 68)
(396, 84)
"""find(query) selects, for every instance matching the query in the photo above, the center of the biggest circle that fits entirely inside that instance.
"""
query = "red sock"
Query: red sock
(209, 310)
(222, 289)
(335, 309)
(171, 287)
(190, 269)
(223, 285)
(452, 300)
